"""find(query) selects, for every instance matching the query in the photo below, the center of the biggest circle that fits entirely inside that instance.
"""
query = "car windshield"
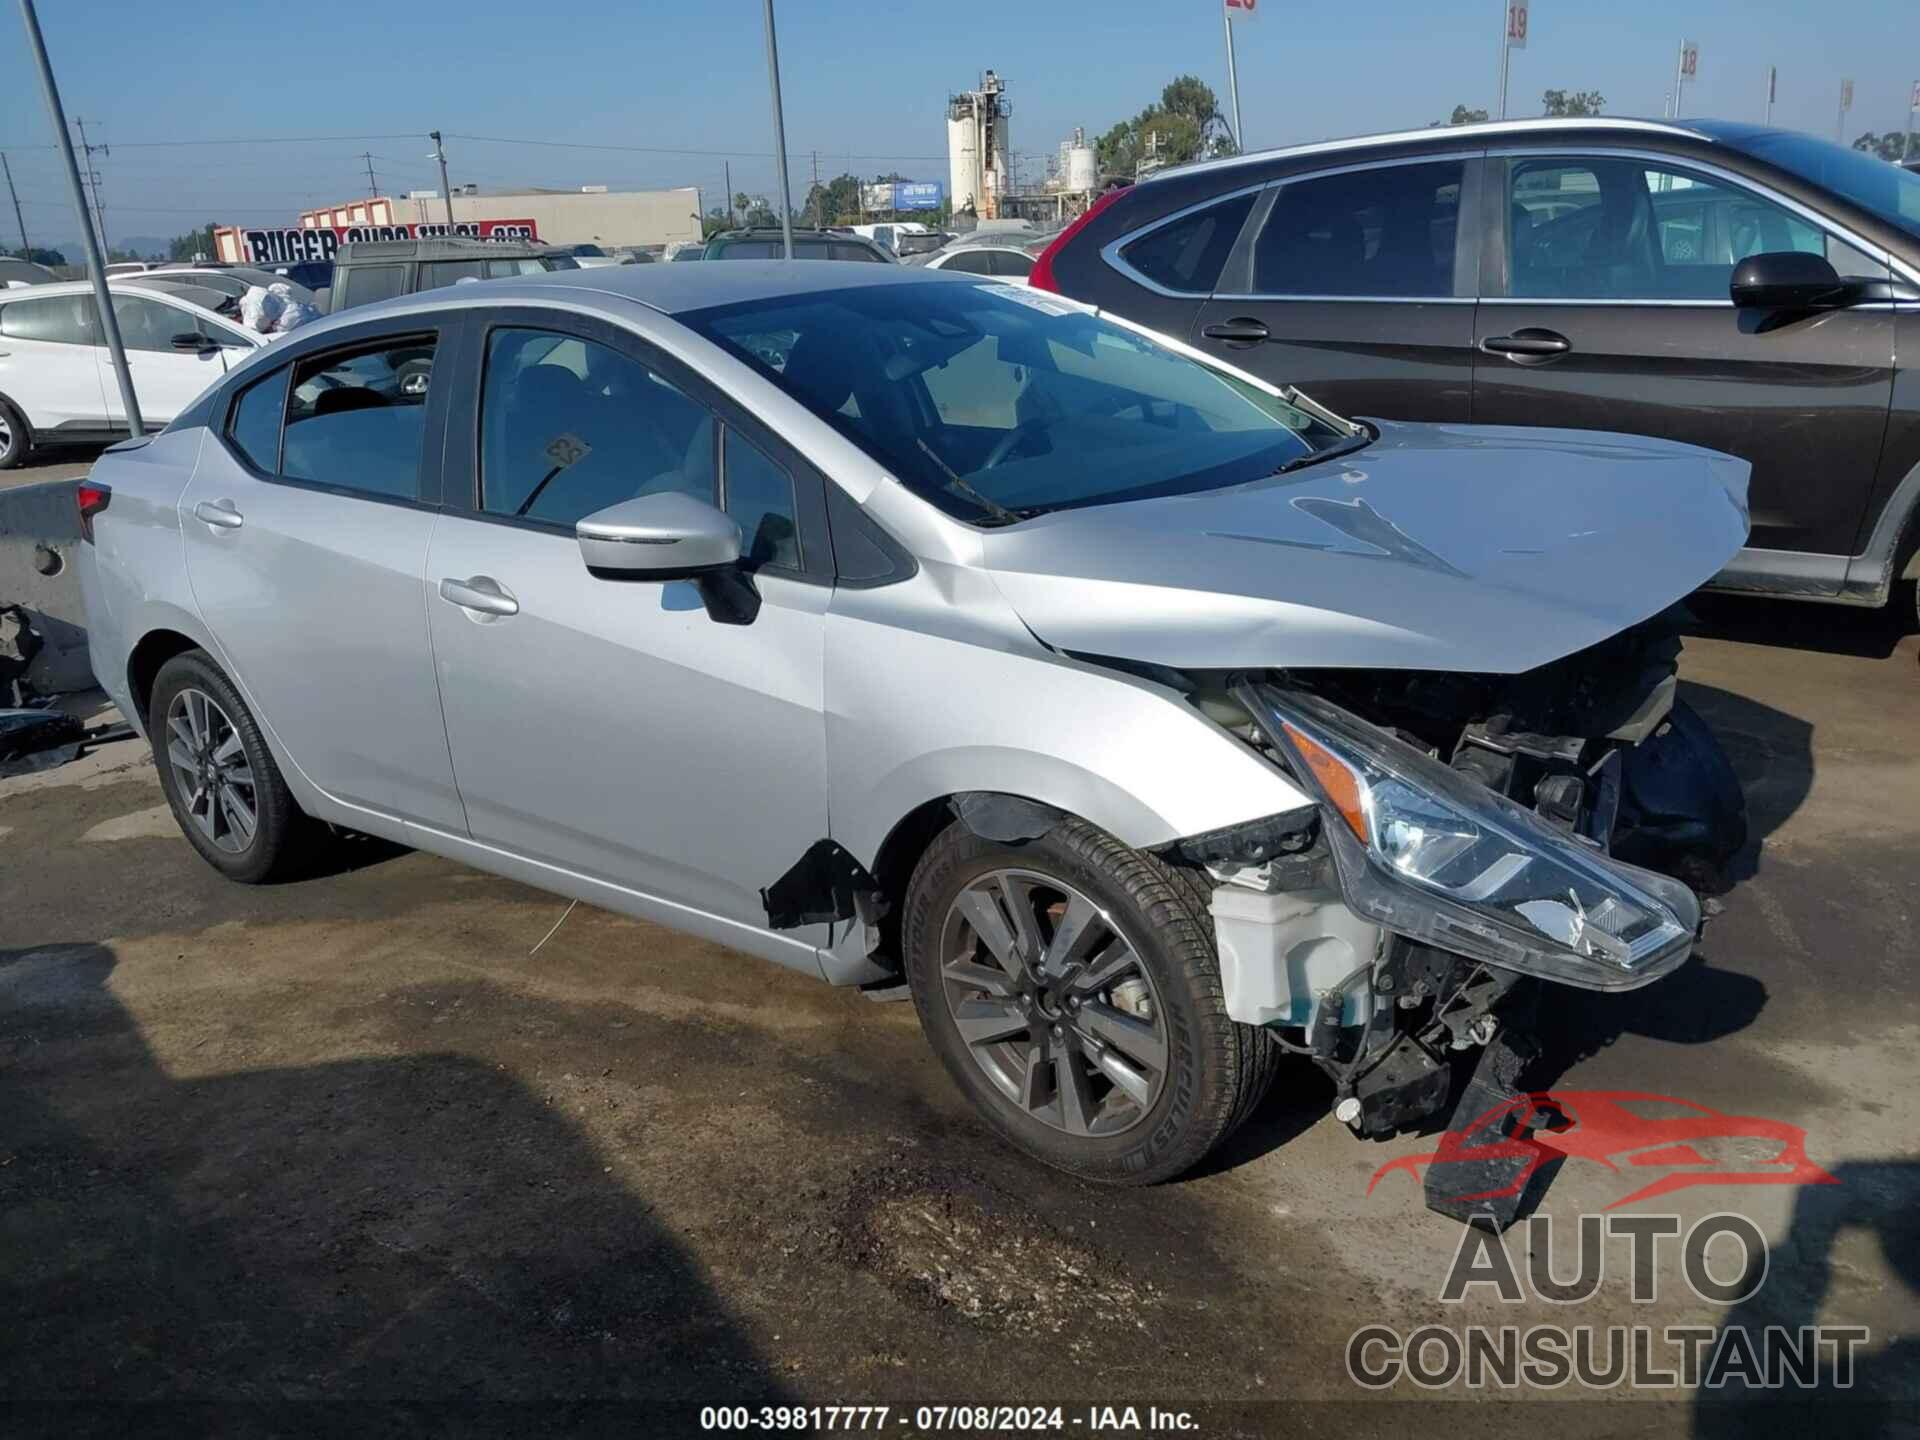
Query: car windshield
(996, 403)
(1868, 181)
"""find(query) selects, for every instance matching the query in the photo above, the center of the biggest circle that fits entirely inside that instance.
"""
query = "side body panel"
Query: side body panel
(54, 386)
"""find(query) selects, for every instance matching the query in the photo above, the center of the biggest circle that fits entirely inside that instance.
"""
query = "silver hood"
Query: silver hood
(1437, 547)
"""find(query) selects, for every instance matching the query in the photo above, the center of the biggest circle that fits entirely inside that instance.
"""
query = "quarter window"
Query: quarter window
(1383, 232)
(759, 496)
(1188, 254)
(254, 426)
(569, 427)
(1010, 263)
(435, 273)
(356, 420)
(1606, 228)
(57, 319)
(367, 283)
(973, 262)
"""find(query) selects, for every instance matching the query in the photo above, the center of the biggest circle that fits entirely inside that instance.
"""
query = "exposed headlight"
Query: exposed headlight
(1428, 852)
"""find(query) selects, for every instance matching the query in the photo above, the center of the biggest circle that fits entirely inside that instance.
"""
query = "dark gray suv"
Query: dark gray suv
(1741, 288)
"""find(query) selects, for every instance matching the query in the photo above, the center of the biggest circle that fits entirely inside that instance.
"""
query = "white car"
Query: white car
(57, 385)
(1004, 258)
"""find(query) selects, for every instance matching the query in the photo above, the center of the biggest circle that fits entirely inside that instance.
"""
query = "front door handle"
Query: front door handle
(481, 594)
(1530, 344)
(1238, 332)
(220, 514)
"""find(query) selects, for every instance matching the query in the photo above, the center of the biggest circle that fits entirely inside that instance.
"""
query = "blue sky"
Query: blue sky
(862, 77)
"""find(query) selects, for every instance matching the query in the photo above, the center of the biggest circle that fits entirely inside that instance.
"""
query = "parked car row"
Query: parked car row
(1740, 288)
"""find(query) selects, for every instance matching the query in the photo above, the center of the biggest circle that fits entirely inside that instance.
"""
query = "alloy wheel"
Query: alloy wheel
(1053, 1003)
(6, 435)
(210, 767)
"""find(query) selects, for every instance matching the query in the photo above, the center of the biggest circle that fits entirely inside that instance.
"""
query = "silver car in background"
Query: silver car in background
(1144, 720)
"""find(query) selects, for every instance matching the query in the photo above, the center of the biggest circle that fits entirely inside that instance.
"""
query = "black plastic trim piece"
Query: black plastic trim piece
(819, 889)
(1005, 819)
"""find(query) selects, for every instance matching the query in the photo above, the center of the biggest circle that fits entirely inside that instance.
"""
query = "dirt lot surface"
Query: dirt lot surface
(349, 1156)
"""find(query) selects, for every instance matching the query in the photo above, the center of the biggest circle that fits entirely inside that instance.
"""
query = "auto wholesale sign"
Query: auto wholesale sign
(241, 246)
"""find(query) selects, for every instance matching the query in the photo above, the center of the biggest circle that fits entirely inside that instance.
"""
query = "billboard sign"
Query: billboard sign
(918, 195)
(1516, 24)
(1689, 60)
(319, 242)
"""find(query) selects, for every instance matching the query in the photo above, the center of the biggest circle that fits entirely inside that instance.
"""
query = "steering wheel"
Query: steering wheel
(1010, 442)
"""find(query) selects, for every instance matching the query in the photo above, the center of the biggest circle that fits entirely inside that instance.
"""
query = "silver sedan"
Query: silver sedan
(1140, 719)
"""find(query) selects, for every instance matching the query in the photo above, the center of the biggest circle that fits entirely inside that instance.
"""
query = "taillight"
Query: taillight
(92, 499)
(1042, 276)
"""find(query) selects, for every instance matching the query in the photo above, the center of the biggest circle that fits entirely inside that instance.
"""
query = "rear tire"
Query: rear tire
(15, 441)
(220, 779)
(1046, 1085)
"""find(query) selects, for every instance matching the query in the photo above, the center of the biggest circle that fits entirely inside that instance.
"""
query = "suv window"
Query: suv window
(1188, 254)
(356, 418)
(1388, 231)
(1010, 263)
(57, 319)
(844, 250)
(568, 427)
(435, 273)
(149, 325)
(1606, 228)
(254, 425)
(367, 283)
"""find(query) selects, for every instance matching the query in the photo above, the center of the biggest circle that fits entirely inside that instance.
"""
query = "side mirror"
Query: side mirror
(672, 536)
(193, 343)
(1788, 280)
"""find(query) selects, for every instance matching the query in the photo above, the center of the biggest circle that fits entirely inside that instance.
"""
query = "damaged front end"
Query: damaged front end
(1475, 838)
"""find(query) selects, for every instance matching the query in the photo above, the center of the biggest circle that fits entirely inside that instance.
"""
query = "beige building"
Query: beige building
(593, 214)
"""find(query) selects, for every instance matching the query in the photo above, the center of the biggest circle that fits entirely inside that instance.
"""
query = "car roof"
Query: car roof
(1478, 130)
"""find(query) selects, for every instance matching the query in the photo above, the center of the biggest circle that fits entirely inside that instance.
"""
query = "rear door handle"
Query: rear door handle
(481, 594)
(1528, 344)
(220, 514)
(1238, 332)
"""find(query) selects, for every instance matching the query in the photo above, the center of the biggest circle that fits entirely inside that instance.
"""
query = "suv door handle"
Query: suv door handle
(220, 514)
(481, 594)
(1238, 332)
(1528, 344)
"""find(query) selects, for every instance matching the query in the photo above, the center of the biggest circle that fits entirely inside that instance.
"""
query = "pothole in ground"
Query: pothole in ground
(953, 1243)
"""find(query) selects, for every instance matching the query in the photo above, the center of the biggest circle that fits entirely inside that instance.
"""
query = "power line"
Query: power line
(670, 150)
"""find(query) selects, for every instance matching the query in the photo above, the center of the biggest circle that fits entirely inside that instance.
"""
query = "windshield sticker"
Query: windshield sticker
(565, 450)
(1036, 300)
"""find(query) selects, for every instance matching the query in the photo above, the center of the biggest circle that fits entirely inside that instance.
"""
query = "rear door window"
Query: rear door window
(56, 320)
(970, 262)
(435, 273)
(367, 283)
(1186, 255)
(1011, 263)
(1385, 232)
(356, 419)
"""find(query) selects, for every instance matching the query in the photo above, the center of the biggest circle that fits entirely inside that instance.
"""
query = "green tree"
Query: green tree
(1572, 102)
(1462, 116)
(194, 242)
(38, 256)
(1186, 125)
(1890, 146)
(742, 202)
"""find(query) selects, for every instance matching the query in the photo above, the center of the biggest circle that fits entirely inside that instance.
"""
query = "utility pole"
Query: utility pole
(1846, 104)
(26, 250)
(446, 190)
(779, 136)
(93, 178)
(1233, 84)
(818, 198)
(1506, 56)
(1773, 84)
(373, 185)
(96, 262)
(726, 169)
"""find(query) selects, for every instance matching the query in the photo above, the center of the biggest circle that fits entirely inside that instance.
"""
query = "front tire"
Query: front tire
(1071, 987)
(221, 782)
(15, 439)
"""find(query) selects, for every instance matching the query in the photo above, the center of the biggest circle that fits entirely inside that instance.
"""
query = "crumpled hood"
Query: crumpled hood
(1437, 547)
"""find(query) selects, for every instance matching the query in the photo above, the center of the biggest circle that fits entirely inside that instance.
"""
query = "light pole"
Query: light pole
(1233, 84)
(96, 262)
(1506, 54)
(779, 138)
(440, 154)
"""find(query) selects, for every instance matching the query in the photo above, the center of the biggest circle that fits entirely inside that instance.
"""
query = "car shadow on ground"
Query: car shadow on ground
(1802, 624)
(1772, 754)
(1803, 1280)
(365, 1246)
